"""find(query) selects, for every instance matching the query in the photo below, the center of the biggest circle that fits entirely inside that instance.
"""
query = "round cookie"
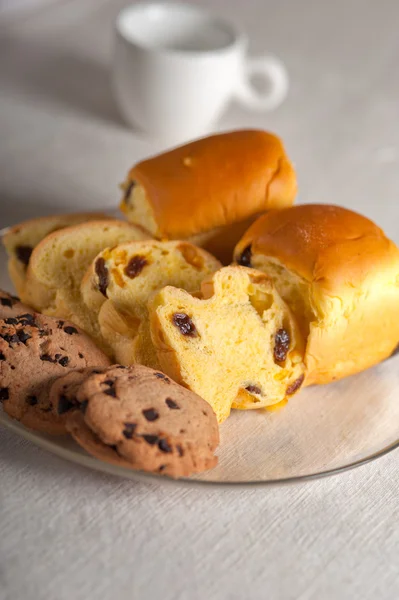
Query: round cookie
(34, 351)
(11, 306)
(137, 417)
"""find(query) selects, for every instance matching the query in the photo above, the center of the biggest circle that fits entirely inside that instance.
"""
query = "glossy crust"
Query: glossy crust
(213, 182)
(344, 275)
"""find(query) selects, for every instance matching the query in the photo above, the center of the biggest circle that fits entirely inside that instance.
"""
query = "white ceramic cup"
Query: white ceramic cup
(176, 68)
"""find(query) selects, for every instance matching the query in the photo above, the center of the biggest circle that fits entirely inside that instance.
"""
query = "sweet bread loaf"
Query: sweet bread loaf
(237, 346)
(20, 240)
(339, 274)
(58, 263)
(120, 281)
(210, 190)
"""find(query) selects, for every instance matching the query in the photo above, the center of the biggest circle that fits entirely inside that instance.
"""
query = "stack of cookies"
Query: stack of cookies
(138, 337)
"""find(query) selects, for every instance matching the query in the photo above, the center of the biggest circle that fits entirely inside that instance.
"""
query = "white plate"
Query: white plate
(323, 430)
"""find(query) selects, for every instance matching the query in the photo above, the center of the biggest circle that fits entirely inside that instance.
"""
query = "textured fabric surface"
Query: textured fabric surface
(67, 532)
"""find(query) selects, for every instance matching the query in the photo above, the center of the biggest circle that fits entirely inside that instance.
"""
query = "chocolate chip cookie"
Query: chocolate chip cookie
(11, 306)
(34, 351)
(137, 417)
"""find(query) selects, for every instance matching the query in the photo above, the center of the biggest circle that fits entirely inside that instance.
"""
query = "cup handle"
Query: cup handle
(274, 73)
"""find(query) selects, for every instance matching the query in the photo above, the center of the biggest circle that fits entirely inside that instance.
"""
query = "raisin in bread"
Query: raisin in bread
(58, 263)
(238, 346)
(210, 190)
(120, 281)
(20, 240)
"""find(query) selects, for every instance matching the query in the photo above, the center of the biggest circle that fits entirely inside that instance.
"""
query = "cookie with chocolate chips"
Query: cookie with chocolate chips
(34, 351)
(133, 417)
(11, 306)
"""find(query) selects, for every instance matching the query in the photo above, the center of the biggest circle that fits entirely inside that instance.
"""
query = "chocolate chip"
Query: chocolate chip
(253, 389)
(151, 414)
(150, 439)
(108, 382)
(102, 274)
(291, 389)
(129, 430)
(161, 468)
(27, 319)
(120, 367)
(4, 394)
(12, 368)
(44, 333)
(2, 357)
(184, 324)
(10, 339)
(11, 321)
(135, 266)
(60, 324)
(110, 392)
(70, 330)
(180, 450)
(31, 400)
(47, 358)
(281, 345)
(80, 355)
(128, 190)
(23, 336)
(164, 446)
(245, 258)
(172, 404)
(64, 404)
(23, 254)
(162, 376)
(6, 302)
(63, 361)
(83, 406)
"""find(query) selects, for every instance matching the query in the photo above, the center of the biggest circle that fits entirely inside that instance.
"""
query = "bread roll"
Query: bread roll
(236, 346)
(340, 275)
(209, 191)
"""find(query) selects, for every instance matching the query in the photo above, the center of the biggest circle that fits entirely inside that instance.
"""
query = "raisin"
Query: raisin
(126, 196)
(31, 400)
(129, 430)
(4, 395)
(135, 266)
(6, 302)
(291, 389)
(70, 330)
(253, 389)
(23, 254)
(245, 258)
(64, 404)
(172, 404)
(102, 274)
(185, 324)
(164, 446)
(151, 414)
(162, 376)
(281, 345)
(63, 361)
(150, 439)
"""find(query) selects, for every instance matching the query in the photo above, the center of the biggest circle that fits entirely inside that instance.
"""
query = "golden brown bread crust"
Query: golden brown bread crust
(216, 181)
(346, 272)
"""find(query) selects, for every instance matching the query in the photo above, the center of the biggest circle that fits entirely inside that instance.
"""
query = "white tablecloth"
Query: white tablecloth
(69, 533)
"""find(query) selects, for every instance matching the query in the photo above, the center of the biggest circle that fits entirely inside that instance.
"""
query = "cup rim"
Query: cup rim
(238, 38)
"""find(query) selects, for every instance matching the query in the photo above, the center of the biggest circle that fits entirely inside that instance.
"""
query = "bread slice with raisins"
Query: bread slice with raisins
(120, 281)
(21, 239)
(237, 346)
(58, 263)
